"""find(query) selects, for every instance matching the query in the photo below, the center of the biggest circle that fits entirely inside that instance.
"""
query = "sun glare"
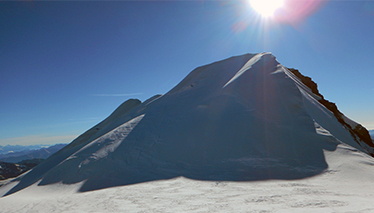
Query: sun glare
(266, 7)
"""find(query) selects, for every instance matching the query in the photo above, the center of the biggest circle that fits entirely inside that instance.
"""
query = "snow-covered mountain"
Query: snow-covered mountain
(246, 118)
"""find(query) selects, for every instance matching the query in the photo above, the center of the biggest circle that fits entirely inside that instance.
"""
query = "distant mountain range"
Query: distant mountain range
(17, 153)
(18, 148)
(17, 159)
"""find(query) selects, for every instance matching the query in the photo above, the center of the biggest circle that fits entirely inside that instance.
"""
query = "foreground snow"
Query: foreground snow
(346, 186)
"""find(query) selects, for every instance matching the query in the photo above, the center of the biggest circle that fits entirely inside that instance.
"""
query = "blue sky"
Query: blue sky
(65, 66)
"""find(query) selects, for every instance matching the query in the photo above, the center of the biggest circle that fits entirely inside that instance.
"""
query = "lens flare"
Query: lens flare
(296, 11)
(266, 7)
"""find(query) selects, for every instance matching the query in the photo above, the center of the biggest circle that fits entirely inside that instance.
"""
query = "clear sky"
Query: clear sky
(65, 66)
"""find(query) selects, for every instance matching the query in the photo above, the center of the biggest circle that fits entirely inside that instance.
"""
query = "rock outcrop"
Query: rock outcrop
(10, 170)
(358, 132)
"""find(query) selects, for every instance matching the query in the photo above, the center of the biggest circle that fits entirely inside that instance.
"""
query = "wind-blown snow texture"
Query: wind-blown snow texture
(241, 119)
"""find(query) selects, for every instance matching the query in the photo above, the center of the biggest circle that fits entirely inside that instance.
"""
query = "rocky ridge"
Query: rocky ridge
(358, 132)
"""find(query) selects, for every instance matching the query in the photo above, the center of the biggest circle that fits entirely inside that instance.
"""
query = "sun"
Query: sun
(266, 8)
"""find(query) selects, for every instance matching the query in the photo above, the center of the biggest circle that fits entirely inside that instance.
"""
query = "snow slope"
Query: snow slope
(246, 118)
(346, 186)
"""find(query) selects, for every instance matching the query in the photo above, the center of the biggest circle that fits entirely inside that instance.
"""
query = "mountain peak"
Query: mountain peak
(241, 119)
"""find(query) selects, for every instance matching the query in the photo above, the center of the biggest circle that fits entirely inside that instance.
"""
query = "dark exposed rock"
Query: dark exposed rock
(307, 81)
(10, 170)
(363, 133)
(31, 163)
(358, 132)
